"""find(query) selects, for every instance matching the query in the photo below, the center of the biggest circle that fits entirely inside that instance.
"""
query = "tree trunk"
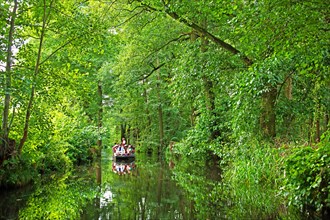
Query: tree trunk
(317, 122)
(36, 72)
(160, 117)
(160, 183)
(317, 130)
(99, 118)
(268, 116)
(192, 116)
(123, 131)
(209, 93)
(310, 129)
(288, 88)
(98, 171)
(146, 102)
(326, 122)
(129, 134)
(7, 85)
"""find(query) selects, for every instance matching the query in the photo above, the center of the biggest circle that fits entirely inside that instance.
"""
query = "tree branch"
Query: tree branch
(148, 75)
(201, 30)
(59, 48)
(151, 72)
(282, 84)
(130, 18)
(173, 40)
(210, 36)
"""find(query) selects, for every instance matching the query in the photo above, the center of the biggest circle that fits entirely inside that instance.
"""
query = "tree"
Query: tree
(45, 19)
(7, 84)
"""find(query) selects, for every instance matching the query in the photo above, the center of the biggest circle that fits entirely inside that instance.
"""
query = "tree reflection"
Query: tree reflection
(140, 189)
(61, 198)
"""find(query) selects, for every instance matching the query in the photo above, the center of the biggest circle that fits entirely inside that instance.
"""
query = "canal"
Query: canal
(139, 189)
(143, 188)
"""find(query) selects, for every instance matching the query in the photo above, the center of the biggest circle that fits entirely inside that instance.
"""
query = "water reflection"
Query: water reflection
(144, 188)
(12, 200)
(122, 167)
(138, 189)
(106, 198)
(60, 197)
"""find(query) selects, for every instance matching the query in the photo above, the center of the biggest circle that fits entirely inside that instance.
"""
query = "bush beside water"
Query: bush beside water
(264, 181)
(307, 178)
(252, 180)
(40, 160)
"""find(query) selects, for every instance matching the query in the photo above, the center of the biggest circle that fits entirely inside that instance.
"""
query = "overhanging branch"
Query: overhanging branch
(203, 31)
(151, 72)
(180, 38)
(144, 77)
(211, 37)
(59, 48)
(130, 18)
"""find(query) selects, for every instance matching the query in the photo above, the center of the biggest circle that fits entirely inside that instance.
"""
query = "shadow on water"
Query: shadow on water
(12, 200)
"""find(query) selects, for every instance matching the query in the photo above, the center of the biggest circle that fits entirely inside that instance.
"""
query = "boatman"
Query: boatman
(123, 141)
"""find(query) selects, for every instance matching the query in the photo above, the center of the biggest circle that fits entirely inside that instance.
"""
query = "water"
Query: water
(11, 201)
(143, 188)
(134, 189)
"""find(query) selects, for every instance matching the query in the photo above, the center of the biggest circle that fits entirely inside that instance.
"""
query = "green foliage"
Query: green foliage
(251, 180)
(55, 158)
(62, 198)
(17, 172)
(197, 145)
(308, 177)
(153, 57)
(47, 157)
(200, 183)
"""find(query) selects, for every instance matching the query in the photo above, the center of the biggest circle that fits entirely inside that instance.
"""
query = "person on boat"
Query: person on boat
(130, 149)
(114, 148)
(123, 141)
(121, 150)
(119, 168)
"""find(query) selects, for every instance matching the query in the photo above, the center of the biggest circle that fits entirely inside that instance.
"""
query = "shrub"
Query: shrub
(251, 180)
(308, 177)
(16, 171)
(55, 158)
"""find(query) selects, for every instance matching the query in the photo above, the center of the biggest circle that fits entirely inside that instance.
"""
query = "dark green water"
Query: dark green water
(144, 188)
(137, 189)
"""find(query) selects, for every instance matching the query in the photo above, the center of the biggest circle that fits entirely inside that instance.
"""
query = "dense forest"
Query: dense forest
(243, 82)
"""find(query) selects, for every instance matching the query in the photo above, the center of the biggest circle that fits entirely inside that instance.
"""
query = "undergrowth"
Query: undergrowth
(252, 179)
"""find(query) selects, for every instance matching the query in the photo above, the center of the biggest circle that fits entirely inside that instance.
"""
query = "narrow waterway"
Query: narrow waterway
(136, 189)
(139, 189)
